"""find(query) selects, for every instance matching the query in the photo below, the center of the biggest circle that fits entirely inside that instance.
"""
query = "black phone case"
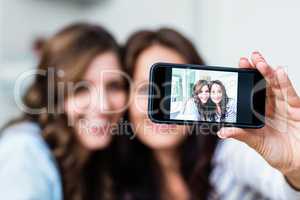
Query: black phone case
(189, 122)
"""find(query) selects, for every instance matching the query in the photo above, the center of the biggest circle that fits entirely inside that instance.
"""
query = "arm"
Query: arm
(246, 168)
(279, 140)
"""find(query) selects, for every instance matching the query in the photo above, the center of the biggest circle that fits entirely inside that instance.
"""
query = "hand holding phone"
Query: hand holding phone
(279, 140)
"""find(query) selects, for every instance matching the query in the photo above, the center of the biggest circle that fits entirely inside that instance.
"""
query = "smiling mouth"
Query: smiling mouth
(96, 128)
(99, 130)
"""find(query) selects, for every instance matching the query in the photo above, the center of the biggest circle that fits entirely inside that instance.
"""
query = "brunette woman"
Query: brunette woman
(59, 149)
(164, 162)
(201, 98)
(223, 106)
(196, 107)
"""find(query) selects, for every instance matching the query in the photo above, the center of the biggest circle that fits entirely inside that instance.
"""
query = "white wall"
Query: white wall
(21, 21)
(231, 29)
(26, 19)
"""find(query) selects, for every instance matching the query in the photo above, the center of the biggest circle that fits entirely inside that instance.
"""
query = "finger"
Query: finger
(270, 102)
(249, 137)
(287, 90)
(257, 57)
(245, 63)
(266, 71)
(273, 92)
(262, 66)
(276, 88)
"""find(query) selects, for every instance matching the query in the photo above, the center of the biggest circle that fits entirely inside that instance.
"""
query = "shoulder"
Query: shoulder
(23, 138)
(234, 164)
(191, 102)
(231, 105)
(25, 155)
(231, 102)
(21, 131)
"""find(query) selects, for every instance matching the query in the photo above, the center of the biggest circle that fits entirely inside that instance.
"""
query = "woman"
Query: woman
(171, 164)
(223, 106)
(196, 108)
(59, 147)
(163, 161)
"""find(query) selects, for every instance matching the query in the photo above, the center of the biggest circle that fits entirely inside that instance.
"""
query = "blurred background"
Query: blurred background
(221, 30)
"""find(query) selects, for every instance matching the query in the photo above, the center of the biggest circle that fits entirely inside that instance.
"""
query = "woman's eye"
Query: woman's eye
(115, 86)
(81, 90)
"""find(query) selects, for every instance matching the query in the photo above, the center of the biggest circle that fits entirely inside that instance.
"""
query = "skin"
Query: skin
(216, 95)
(278, 141)
(204, 94)
(162, 139)
(95, 107)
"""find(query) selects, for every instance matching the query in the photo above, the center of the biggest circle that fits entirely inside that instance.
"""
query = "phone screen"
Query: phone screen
(197, 94)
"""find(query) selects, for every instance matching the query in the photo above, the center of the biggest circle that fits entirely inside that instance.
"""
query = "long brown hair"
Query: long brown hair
(196, 151)
(202, 108)
(84, 175)
(223, 103)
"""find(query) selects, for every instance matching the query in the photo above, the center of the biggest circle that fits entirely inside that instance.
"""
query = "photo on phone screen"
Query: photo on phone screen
(188, 94)
(199, 94)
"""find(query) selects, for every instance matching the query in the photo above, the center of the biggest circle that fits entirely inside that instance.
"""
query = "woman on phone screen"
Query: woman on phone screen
(224, 107)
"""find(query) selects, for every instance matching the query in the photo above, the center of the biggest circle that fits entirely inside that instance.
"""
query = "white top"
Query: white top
(28, 169)
(230, 115)
(241, 173)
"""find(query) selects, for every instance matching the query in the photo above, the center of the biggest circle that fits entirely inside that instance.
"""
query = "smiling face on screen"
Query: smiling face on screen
(216, 93)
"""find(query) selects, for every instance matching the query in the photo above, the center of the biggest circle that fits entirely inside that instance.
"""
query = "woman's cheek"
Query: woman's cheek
(118, 101)
(140, 104)
(137, 114)
(207, 95)
(212, 97)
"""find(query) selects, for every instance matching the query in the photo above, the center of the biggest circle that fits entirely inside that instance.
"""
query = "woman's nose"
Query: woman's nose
(99, 101)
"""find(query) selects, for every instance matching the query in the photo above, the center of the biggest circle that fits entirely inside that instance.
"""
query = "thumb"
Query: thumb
(249, 136)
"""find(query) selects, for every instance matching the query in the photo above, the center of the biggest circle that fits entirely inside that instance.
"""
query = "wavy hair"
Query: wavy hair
(223, 103)
(203, 109)
(85, 175)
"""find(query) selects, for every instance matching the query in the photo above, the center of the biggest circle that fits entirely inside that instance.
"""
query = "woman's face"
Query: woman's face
(97, 102)
(155, 136)
(204, 94)
(216, 93)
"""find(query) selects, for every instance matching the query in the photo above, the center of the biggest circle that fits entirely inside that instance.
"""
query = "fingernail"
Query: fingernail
(221, 134)
(280, 68)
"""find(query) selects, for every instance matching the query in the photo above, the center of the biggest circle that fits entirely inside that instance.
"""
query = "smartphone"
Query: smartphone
(197, 94)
